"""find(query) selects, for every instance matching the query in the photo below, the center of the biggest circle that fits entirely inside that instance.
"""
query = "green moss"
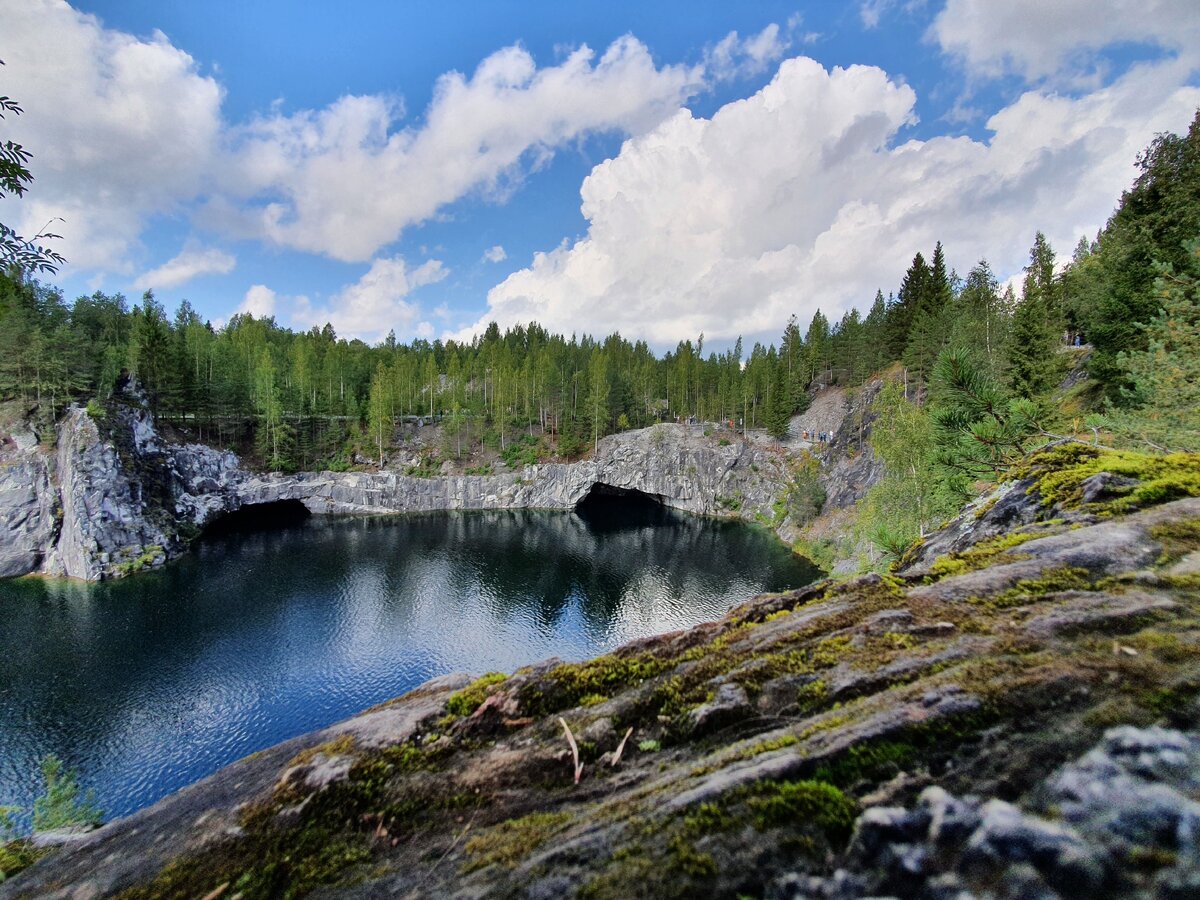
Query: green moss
(705, 819)
(509, 842)
(830, 652)
(784, 803)
(1066, 578)
(18, 855)
(567, 685)
(1177, 539)
(686, 859)
(778, 743)
(343, 745)
(868, 762)
(1059, 472)
(466, 701)
(983, 554)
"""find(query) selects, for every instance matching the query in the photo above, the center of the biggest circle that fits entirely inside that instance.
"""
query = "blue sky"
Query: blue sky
(707, 167)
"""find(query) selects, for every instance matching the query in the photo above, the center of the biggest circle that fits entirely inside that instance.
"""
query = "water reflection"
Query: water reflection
(148, 684)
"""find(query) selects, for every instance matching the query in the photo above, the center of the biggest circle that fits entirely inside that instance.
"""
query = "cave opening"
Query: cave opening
(259, 517)
(605, 505)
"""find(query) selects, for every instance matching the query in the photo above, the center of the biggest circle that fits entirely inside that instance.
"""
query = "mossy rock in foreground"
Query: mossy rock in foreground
(750, 749)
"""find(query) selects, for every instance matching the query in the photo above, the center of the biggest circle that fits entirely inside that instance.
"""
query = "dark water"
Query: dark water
(149, 684)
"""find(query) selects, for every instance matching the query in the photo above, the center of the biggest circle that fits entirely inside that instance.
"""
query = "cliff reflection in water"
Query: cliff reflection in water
(149, 684)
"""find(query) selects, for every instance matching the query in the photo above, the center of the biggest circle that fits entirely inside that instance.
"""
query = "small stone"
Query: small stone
(1006, 836)
(729, 704)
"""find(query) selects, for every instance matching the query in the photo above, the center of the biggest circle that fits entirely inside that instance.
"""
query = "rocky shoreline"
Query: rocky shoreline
(1010, 713)
(115, 497)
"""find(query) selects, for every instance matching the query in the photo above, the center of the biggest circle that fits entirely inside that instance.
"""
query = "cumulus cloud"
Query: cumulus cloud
(375, 304)
(1037, 39)
(734, 57)
(799, 197)
(495, 254)
(343, 181)
(191, 262)
(125, 128)
(259, 302)
(121, 129)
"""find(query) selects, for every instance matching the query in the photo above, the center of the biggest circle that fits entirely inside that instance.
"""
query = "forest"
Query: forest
(978, 367)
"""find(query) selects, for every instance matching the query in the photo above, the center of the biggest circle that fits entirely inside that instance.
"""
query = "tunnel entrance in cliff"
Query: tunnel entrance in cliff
(258, 517)
(606, 506)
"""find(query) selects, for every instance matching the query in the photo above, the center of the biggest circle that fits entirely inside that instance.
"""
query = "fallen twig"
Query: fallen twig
(574, 749)
(621, 748)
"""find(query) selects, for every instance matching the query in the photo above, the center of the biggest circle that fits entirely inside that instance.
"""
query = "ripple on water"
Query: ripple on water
(150, 684)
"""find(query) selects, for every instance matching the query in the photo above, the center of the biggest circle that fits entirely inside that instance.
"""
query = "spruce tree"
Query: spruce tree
(904, 310)
(1153, 223)
(1164, 378)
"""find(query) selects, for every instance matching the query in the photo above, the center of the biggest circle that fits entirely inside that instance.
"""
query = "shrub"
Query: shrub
(62, 806)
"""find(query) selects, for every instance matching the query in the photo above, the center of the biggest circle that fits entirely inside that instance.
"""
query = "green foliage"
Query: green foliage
(805, 493)
(1163, 396)
(16, 854)
(525, 451)
(1111, 283)
(979, 433)
(62, 805)
(1035, 337)
(913, 493)
(17, 252)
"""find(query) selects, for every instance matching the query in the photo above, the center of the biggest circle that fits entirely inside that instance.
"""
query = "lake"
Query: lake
(151, 683)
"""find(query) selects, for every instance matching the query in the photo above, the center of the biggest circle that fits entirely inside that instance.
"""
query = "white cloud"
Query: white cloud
(124, 128)
(733, 57)
(120, 129)
(343, 181)
(259, 302)
(871, 11)
(495, 254)
(375, 304)
(797, 198)
(1037, 39)
(191, 262)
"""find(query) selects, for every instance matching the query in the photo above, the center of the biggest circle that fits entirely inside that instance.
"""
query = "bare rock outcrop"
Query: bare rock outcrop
(117, 498)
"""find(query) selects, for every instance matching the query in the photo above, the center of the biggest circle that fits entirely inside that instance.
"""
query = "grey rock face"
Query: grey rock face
(29, 510)
(118, 498)
(675, 464)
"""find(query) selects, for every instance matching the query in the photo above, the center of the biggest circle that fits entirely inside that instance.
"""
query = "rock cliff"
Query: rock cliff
(116, 498)
(1011, 713)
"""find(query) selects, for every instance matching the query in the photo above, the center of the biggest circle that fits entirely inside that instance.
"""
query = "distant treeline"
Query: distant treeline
(526, 381)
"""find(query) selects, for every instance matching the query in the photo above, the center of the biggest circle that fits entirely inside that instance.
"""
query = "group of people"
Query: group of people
(818, 437)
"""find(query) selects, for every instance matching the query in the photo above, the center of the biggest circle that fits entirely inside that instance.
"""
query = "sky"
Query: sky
(664, 169)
